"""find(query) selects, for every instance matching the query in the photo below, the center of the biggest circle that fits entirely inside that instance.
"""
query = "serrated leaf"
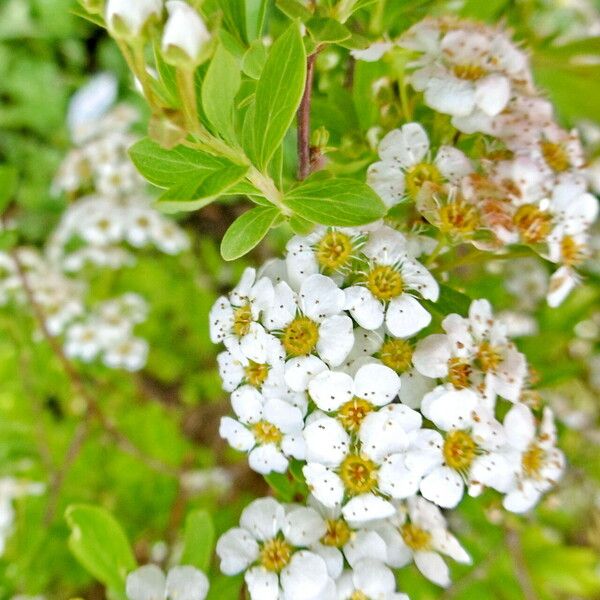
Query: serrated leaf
(167, 168)
(247, 231)
(98, 542)
(278, 94)
(220, 85)
(342, 202)
(198, 540)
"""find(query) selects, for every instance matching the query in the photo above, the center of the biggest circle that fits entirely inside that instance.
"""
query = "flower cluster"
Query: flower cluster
(504, 172)
(180, 583)
(332, 375)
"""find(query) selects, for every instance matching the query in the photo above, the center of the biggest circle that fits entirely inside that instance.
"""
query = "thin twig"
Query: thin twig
(304, 119)
(515, 547)
(92, 407)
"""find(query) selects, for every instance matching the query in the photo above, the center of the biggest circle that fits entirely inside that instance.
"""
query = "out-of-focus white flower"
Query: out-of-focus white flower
(181, 583)
(128, 19)
(185, 32)
(368, 579)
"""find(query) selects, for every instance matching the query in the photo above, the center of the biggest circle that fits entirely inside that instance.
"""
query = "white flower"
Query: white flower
(368, 579)
(360, 474)
(312, 327)
(419, 532)
(388, 286)
(268, 428)
(129, 354)
(373, 53)
(326, 250)
(184, 31)
(126, 18)
(234, 319)
(181, 583)
(474, 352)
(468, 453)
(537, 462)
(83, 341)
(235, 369)
(270, 547)
(404, 167)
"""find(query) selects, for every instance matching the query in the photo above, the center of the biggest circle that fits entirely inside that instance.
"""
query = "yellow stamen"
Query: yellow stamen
(415, 537)
(418, 175)
(275, 554)
(396, 354)
(352, 413)
(256, 373)
(555, 156)
(458, 217)
(459, 373)
(533, 224)
(469, 72)
(533, 461)
(242, 319)
(385, 282)
(300, 337)
(266, 433)
(488, 358)
(334, 250)
(359, 474)
(459, 450)
(337, 534)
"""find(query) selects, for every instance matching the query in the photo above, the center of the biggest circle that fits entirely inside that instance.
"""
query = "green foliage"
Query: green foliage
(247, 231)
(100, 545)
(342, 202)
(198, 540)
(278, 95)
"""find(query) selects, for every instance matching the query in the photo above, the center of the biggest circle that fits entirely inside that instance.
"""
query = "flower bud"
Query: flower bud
(127, 19)
(185, 35)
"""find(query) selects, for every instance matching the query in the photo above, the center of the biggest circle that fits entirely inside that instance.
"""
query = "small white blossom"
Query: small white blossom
(368, 579)
(184, 31)
(181, 583)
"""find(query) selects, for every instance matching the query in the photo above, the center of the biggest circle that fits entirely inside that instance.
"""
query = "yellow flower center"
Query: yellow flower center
(359, 474)
(396, 354)
(533, 224)
(266, 433)
(385, 282)
(358, 595)
(352, 413)
(488, 358)
(533, 461)
(555, 156)
(571, 251)
(256, 373)
(469, 72)
(459, 217)
(459, 373)
(334, 250)
(300, 337)
(337, 534)
(242, 319)
(275, 554)
(418, 175)
(415, 537)
(459, 450)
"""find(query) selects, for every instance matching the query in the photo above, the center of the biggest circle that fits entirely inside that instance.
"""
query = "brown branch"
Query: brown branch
(92, 407)
(304, 158)
(515, 547)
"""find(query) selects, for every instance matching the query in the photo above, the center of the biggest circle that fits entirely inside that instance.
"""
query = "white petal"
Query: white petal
(396, 480)
(493, 470)
(305, 577)
(405, 316)
(450, 96)
(186, 583)
(326, 441)
(267, 458)
(522, 499)
(492, 94)
(146, 583)
(333, 558)
(367, 507)
(446, 543)
(443, 486)
(283, 309)
(519, 425)
(387, 180)
(320, 297)
(237, 549)
(425, 452)
(287, 418)
(382, 433)
(376, 383)
(374, 579)
(336, 339)
(330, 389)
(262, 584)
(299, 371)
(433, 567)
(324, 484)
(303, 526)
(431, 355)
(366, 310)
(365, 544)
(247, 403)
(407, 146)
(263, 518)
(236, 434)
(417, 278)
(452, 163)
(414, 387)
(450, 408)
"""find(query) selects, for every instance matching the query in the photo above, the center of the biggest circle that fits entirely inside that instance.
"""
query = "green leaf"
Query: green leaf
(198, 540)
(8, 185)
(300, 226)
(484, 11)
(342, 202)
(220, 85)
(247, 231)
(256, 11)
(98, 542)
(167, 168)
(278, 94)
(282, 485)
(196, 192)
(294, 9)
(451, 301)
(254, 59)
(327, 31)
